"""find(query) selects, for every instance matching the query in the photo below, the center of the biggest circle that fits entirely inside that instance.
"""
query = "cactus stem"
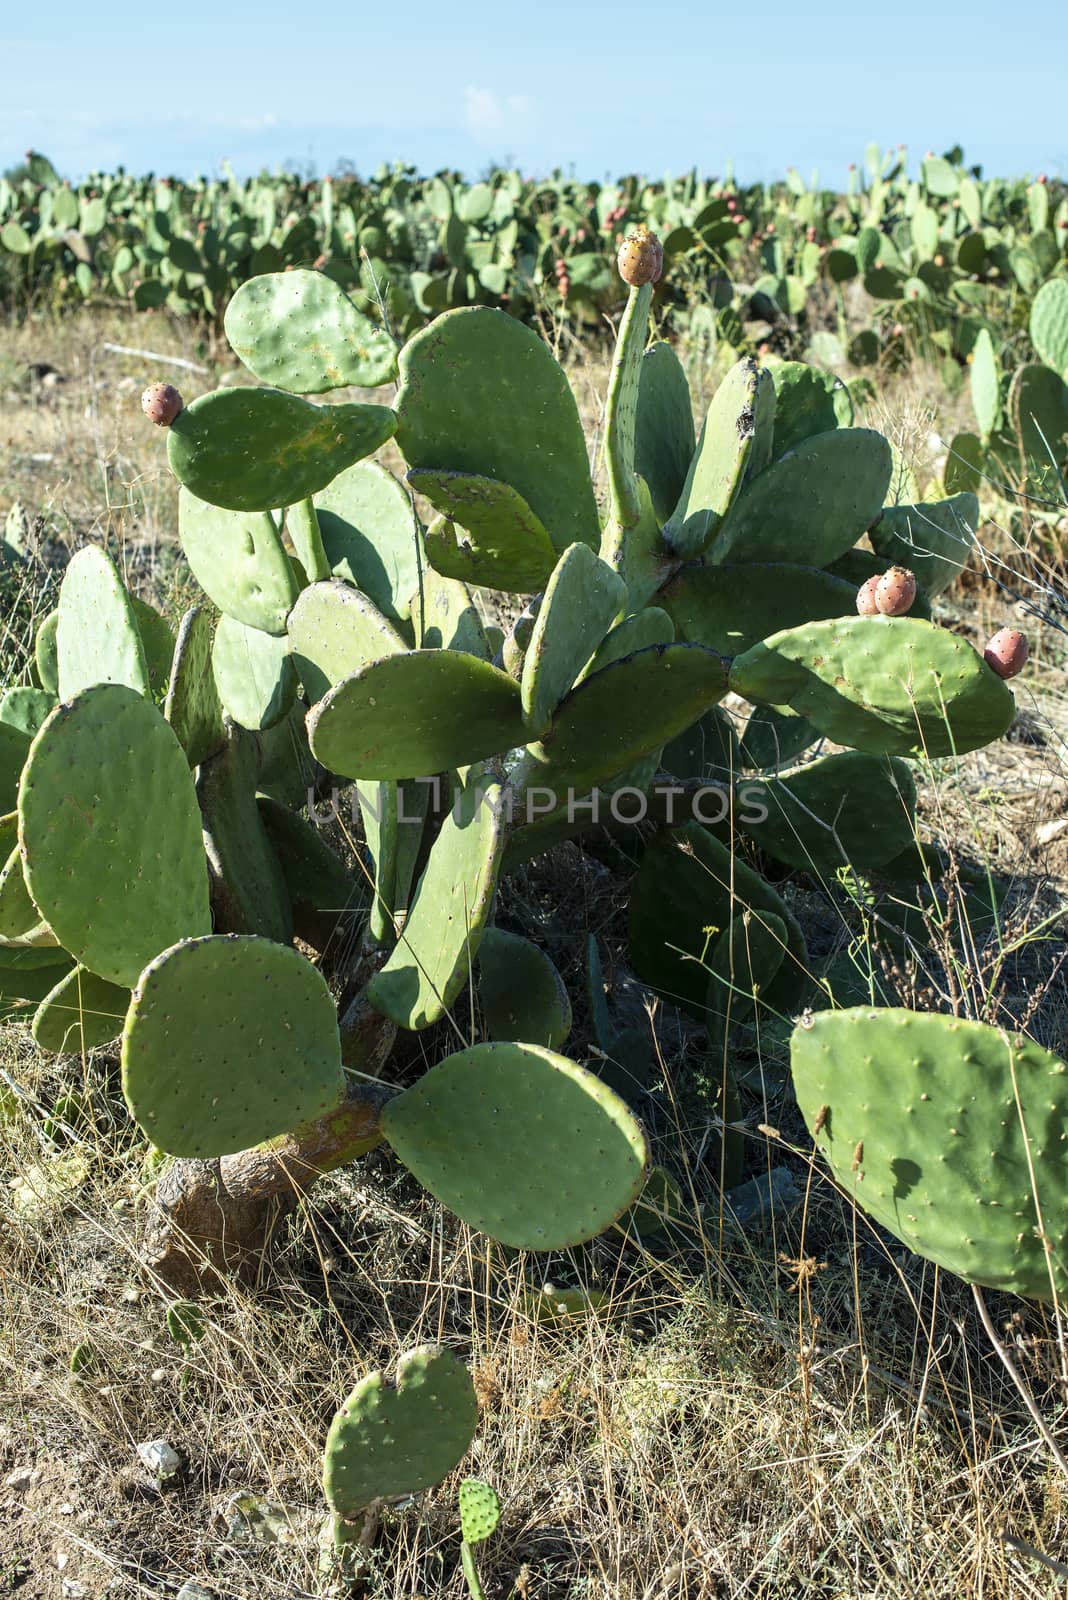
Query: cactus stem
(303, 524)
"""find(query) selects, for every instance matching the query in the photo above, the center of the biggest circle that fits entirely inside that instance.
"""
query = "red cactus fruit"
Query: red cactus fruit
(640, 258)
(866, 606)
(895, 591)
(161, 403)
(1006, 653)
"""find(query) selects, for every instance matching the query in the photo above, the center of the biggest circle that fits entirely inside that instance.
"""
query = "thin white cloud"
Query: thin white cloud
(489, 116)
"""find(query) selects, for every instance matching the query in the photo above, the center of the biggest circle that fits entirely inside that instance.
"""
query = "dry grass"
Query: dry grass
(800, 1409)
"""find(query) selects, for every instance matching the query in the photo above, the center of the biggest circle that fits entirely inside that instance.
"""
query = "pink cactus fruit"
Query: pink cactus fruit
(1006, 653)
(161, 403)
(895, 591)
(640, 258)
(866, 606)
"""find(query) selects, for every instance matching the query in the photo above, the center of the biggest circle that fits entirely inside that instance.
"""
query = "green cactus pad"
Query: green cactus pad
(480, 1510)
(395, 1439)
(1038, 406)
(97, 638)
(487, 534)
(334, 631)
(888, 685)
(717, 470)
(617, 716)
(743, 964)
(255, 449)
(446, 617)
(378, 811)
(370, 536)
(807, 401)
(26, 977)
(583, 597)
(319, 883)
(192, 705)
(688, 888)
(647, 627)
(110, 832)
(449, 911)
(482, 393)
(46, 654)
(254, 674)
(18, 914)
(706, 749)
(846, 808)
(26, 709)
(774, 738)
(14, 749)
(81, 1013)
(158, 642)
(922, 1117)
(412, 715)
(465, 1131)
(731, 608)
(1049, 325)
(815, 501)
(935, 541)
(287, 767)
(521, 994)
(238, 560)
(621, 410)
(664, 438)
(248, 887)
(300, 331)
(229, 1041)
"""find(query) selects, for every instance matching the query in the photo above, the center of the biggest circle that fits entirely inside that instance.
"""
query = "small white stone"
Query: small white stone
(20, 1479)
(159, 1458)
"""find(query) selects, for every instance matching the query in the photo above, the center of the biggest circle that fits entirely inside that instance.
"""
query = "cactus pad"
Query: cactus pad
(617, 716)
(815, 501)
(888, 685)
(502, 545)
(369, 533)
(480, 1510)
(934, 541)
(1049, 325)
(110, 832)
(97, 637)
(334, 631)
(688, 889)
(228, 1042)
(717, 470)
(843, 808)
(520, 991)
(254, 674)
(807, 401)
(300, 331)
(395, 1439)
(238, 560)
(583, 597)
(18, 914)
(192, 705)
(466, 1130)
(452, 903)
(248, 887)
(81, 1013)
(730, 608)
(922, 1119)
(25, 709)
(14, 748)
(482, 393)
(254, 449)
(45, 653)
(412, 715)
(663, 431)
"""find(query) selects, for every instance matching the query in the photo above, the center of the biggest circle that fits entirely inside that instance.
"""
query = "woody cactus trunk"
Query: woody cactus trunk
(162, 794)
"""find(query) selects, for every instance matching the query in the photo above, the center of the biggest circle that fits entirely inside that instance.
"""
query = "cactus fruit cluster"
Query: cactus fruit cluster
(162, 793)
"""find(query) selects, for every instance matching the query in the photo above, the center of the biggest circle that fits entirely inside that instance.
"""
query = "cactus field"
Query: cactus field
(533, 887)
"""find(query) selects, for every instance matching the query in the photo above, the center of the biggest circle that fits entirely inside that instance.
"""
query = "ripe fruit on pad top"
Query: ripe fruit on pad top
(867, 606)
(895, 591)
(161, 403)
(641, 257)
(1006, 652)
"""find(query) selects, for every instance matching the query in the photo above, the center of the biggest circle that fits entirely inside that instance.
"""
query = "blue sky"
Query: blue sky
(602, 89)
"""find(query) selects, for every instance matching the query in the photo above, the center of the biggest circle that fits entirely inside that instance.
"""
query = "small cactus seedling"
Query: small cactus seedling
(480, 1515)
